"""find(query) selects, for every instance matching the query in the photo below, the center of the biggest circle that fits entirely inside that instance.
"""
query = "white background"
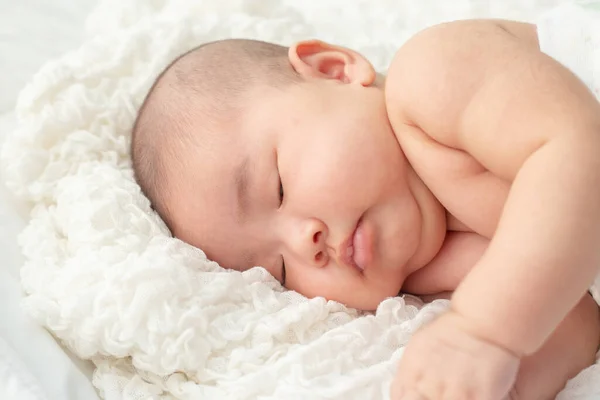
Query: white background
(31, 33)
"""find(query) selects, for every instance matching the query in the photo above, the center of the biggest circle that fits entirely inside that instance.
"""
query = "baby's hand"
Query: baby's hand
(446, 361)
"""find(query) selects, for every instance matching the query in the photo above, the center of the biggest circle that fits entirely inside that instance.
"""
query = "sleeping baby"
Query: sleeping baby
(471, 171)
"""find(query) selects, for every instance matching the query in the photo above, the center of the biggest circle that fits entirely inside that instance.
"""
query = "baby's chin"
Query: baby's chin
(367, 306)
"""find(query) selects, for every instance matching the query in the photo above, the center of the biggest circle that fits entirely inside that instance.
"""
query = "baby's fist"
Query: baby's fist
(446, 361)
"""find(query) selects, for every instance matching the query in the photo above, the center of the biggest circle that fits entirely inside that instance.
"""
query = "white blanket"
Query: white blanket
(157, 318)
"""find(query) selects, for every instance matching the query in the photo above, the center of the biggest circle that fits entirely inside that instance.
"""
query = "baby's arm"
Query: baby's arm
(477, 86)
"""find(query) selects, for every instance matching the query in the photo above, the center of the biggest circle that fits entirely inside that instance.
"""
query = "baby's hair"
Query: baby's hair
(205, 84)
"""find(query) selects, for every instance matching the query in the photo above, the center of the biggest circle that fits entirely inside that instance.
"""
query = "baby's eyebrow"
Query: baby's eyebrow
(241, 180)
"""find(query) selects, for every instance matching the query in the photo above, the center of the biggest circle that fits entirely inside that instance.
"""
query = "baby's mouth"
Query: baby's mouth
(357, 250)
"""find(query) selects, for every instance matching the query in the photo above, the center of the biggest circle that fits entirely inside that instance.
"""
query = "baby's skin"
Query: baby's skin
(472, 171)
(504, 137)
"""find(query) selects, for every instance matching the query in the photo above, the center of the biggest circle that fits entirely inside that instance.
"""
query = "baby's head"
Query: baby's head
(284, 158)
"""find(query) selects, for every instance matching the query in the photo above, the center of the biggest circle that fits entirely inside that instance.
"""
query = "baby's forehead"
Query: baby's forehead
(212, 152)
(217, 138)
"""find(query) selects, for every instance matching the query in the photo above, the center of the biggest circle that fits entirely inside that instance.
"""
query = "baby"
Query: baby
(472, 171)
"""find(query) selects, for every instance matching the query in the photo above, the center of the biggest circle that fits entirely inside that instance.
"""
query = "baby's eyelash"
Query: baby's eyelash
(282, 271)
(280, 192)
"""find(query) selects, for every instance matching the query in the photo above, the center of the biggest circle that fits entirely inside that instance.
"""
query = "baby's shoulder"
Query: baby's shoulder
(435, 75)
(438, 70)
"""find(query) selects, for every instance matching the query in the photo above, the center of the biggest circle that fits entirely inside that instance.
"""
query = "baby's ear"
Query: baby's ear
(317, 59)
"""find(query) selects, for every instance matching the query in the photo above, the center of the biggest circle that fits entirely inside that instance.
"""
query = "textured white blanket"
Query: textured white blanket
(158, 319)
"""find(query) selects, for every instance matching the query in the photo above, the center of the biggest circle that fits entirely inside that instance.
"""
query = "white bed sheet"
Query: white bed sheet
(33, 32)
(32, 364)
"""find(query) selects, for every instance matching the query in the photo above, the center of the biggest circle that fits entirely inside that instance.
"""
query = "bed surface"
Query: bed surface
(32, 364)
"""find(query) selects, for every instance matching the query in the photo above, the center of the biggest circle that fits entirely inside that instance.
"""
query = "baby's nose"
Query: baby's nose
(314, 245)
(321, 255)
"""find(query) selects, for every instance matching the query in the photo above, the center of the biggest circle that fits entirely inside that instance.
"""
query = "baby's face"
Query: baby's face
(310, 183)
